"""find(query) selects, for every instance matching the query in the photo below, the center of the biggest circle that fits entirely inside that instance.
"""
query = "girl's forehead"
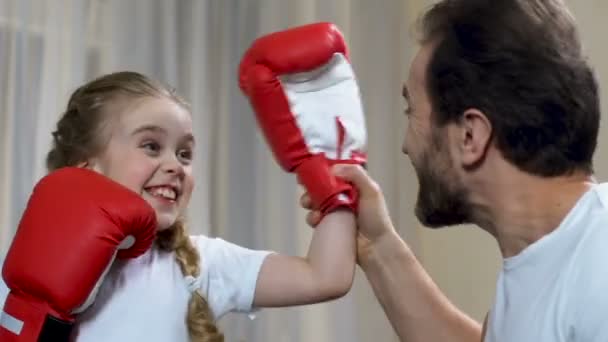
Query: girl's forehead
(154, 111)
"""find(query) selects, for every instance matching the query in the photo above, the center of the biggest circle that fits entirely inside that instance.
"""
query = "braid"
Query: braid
(201, 325)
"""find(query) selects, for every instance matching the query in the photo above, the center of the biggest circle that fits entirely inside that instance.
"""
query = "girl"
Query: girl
(139, 133)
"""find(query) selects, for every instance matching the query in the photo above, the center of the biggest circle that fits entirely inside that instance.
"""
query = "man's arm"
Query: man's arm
(416, 308)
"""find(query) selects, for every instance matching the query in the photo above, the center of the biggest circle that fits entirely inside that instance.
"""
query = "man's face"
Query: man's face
(442, 198)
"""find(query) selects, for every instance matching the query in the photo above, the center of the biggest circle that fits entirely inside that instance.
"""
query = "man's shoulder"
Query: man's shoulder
(591, 212)
(599, 214)
(591, 250)
(601, 190)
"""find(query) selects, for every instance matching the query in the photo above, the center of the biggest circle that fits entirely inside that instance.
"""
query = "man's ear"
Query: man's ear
(476, 137)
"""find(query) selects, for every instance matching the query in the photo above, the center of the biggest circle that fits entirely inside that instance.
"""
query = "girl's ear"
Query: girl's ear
(90, 164)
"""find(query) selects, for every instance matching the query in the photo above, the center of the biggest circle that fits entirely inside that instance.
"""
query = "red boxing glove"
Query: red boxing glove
(75, 223)
(307, 102)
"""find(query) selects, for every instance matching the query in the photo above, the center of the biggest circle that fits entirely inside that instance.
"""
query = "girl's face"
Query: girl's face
(150, 151)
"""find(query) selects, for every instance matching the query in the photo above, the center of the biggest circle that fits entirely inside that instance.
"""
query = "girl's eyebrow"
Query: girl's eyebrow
(152, 128)
(157, 129)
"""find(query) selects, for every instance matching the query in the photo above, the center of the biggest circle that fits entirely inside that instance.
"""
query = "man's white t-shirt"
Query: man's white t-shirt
(556, 290)
(146, 299)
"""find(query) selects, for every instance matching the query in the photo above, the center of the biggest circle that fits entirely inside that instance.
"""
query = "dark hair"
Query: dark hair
(520, 62)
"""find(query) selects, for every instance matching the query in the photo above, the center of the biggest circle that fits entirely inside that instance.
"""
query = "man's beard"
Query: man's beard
(441, 201)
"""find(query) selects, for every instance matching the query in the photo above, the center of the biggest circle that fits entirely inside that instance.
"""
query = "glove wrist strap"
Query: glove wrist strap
(28, 320)
(326, 191)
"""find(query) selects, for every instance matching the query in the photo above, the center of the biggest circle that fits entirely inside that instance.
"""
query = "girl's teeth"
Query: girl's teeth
(164, 192)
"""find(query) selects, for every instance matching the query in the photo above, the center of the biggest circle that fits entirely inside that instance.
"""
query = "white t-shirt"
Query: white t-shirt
(556, 290)
(146, 299)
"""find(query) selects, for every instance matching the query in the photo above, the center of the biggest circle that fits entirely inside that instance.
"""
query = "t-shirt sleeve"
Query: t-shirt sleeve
(591, 313)
(3, 288)
(589, 291)
(3, 293)
(229, 274)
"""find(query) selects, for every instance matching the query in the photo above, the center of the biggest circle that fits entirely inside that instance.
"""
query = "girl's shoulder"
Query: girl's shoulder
(204, 242)
(212, 248)
(219, 251)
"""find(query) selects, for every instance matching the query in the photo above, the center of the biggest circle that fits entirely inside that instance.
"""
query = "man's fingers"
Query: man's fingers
(358, 176)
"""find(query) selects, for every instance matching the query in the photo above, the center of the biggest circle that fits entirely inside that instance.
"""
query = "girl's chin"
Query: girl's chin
(165, 223)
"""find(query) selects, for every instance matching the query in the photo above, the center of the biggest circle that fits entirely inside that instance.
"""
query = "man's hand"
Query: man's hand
(373, 220)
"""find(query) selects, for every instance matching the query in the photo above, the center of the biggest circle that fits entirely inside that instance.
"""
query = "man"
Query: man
(503, 121)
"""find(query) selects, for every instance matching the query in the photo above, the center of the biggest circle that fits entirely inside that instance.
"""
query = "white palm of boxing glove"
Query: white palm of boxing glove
(328, 91)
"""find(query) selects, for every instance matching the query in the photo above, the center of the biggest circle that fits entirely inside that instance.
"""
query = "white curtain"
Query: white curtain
(49, 47)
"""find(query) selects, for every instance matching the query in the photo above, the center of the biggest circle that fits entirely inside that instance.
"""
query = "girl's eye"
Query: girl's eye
(185, 155)
(152, 147)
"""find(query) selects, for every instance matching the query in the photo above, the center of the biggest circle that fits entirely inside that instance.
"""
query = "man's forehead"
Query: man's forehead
(417, 73)
(420, 63)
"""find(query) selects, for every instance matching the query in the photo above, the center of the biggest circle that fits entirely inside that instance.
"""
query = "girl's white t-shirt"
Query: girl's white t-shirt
(146, 299)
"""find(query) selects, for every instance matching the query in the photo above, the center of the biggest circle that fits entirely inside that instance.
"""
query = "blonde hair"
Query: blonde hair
(78, 137)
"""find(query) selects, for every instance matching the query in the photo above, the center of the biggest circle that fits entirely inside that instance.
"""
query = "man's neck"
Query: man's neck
(520, 208)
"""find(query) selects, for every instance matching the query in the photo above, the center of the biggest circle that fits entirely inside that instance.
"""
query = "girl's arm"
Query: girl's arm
(326, 273)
